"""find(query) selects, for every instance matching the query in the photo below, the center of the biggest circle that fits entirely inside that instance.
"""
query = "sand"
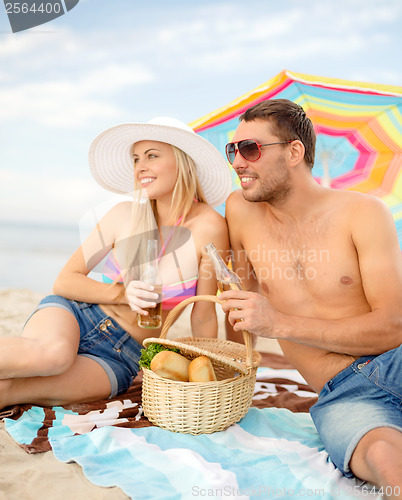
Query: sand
(42, 476)
(39, 476)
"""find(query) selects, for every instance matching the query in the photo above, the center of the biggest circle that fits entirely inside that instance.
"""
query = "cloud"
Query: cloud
(13, 46)
(223, 40)
(52, 104)
(115, 77)
(68, 102)
(64, 79)
(38, 197)
(183, 57)
(75, 78)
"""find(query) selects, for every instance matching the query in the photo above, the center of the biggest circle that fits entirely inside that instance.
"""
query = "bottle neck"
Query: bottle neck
(223, 273)
(151, 269)
(152, 251)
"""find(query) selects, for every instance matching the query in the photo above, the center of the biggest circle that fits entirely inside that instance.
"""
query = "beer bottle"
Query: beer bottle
(151, 276)
(226, 278)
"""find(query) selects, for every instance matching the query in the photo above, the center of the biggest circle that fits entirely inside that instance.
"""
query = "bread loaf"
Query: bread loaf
(171, 365)
(201, 370)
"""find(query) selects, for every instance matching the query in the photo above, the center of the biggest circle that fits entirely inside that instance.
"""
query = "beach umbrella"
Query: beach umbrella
(358, 127)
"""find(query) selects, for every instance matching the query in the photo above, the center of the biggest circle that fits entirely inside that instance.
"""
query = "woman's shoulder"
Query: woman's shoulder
(207, 224)
(117, 219)
(203, 213)
(122, 208)
(120, 212)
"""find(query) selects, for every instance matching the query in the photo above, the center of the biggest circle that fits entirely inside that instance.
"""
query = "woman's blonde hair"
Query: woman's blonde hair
(144, 220)
(187, 189)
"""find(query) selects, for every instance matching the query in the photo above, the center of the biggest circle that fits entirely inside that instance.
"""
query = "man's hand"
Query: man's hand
(250, 311)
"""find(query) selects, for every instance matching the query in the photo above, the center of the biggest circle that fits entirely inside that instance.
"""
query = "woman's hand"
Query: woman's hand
(140, 295)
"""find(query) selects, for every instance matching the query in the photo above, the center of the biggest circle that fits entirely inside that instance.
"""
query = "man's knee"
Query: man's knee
(377, 454)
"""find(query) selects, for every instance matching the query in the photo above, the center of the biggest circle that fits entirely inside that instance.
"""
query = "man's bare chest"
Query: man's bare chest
(314, 264)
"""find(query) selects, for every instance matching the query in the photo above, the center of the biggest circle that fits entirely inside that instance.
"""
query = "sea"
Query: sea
(32, 253)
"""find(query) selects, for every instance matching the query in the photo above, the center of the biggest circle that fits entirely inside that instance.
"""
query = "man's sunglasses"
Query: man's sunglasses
(249, 149)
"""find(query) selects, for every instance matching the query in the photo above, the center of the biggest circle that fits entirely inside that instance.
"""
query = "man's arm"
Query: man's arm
(374, 236)
(240, 263)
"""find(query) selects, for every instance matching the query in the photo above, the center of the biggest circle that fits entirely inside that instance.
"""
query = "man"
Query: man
(323, 274)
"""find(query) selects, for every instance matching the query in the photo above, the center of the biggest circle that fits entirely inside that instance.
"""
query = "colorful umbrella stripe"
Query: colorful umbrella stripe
(358, 127)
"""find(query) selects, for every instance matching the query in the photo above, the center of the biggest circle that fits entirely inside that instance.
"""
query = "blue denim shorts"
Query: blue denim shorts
(103, 340)
(365, 395)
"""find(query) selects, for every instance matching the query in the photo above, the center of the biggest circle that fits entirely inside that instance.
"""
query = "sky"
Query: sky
(112, 61)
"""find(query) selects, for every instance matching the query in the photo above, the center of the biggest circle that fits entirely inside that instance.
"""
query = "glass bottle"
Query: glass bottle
(226, 278)
(152, 276)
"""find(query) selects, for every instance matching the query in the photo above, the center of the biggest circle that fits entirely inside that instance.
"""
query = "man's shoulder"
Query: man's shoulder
(235, 197)
(361, 211)
(356, 200)
(236, 204)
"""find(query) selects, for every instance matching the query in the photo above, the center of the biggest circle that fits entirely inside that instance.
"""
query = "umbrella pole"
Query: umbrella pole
(326, 178)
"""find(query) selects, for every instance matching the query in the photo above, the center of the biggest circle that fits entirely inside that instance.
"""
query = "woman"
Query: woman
(84, 342)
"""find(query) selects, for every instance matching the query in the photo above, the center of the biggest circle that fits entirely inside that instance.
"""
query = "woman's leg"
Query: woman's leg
(48, 345)
(86, 380)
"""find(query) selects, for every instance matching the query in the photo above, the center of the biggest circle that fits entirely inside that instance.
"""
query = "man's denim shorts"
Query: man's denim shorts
(103, 340)
(365, 395)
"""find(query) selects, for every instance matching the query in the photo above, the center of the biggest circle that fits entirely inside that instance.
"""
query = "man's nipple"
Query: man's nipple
(346, 280)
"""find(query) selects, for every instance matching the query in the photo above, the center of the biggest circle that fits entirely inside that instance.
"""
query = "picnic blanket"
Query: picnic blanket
(274, 451)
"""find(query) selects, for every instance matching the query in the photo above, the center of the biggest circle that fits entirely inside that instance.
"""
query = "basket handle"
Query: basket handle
(170, 318)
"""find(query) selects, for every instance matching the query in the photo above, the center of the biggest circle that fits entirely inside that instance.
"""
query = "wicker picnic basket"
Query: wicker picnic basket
(201, 407)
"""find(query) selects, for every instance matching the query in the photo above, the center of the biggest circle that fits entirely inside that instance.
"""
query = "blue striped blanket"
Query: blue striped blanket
(271, 453)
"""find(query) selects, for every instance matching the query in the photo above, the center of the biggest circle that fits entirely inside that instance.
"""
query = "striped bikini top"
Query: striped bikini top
(171, 294)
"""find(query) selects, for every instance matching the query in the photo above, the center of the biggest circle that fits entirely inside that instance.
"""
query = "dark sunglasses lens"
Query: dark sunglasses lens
(230, 152)
(249, 150)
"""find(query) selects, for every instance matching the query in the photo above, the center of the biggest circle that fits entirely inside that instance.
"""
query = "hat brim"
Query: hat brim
(111, 161)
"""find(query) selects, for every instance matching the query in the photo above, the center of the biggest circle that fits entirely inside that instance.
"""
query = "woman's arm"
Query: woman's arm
(74, 284)
(73, 281)
(203, 317)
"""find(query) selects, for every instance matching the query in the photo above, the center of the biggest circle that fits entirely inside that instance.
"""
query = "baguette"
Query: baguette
(171, 365)
(201, 370)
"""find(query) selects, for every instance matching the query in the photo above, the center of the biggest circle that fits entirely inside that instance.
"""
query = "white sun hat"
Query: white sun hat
(111, 161)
